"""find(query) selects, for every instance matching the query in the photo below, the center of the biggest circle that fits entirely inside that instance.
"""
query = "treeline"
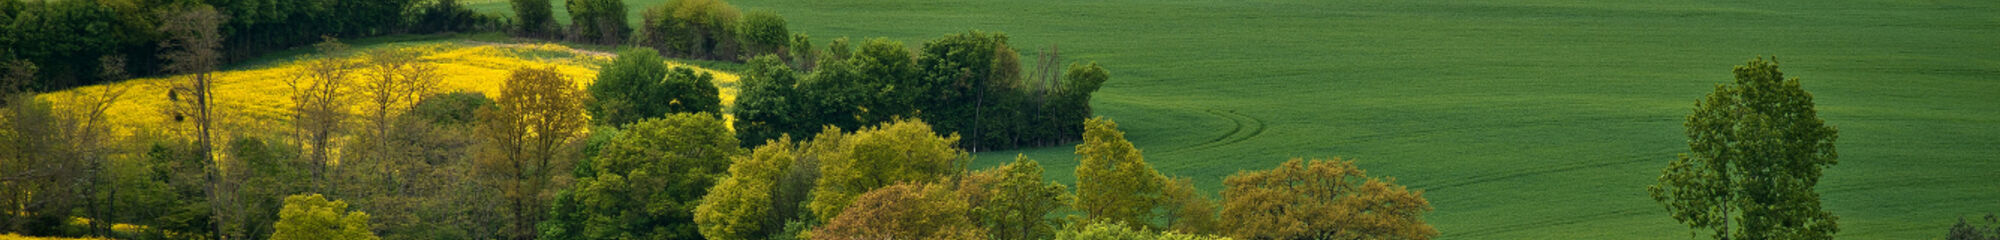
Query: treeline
(413, 162)
(75, 43)
(969, 84)
(972, 84)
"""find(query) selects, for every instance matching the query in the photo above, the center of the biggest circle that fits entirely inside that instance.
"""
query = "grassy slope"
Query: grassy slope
(1522, 119)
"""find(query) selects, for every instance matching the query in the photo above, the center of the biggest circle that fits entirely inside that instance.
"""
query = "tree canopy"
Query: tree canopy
(1756, 149)
(647, 182)
(1322, 199)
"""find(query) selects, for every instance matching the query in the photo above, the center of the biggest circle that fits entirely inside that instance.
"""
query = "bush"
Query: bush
(450, 16)
(533, 17)
(701, 29)
(763, 32)
(597, 21)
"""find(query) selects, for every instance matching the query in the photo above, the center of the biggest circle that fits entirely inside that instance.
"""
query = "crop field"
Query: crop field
(1520, 119)
(258, 98)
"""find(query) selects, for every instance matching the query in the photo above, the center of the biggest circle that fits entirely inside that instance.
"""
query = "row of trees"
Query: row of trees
(969, 83)
(694, 29)
(65, 43)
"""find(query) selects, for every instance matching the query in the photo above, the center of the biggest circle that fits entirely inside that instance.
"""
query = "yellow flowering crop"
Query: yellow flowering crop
(258, 100)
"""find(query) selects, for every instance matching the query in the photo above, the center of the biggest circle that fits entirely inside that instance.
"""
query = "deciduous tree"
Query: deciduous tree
(874, 157)
(1756, 148)
(1322, 199)
(647, 182)
(904, 211)
(528, 133)
(1113, 181)
(195, 39)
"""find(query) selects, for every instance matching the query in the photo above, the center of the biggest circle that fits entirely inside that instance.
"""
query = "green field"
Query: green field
(1521, 119)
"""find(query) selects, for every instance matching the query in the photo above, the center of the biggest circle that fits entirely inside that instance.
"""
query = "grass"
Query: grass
(1521, 119)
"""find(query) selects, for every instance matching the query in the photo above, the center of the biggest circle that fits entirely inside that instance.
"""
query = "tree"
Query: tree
(689, 91)
(1022, 201)
(764, 32)
(1756, 149)
(535, 17)
(1188, 211)
(1963, 231)
(1113, 181)
(621, 89)
(598, 21)
(904, 211)
(701, 29)
(312, 217)
(528, 135)
(769, 104)
(1099, 230)
(874, 157)
(194, 40)
(743, 205)
(638, 84)
(320, 94)
(647, 182)
(1322, 199)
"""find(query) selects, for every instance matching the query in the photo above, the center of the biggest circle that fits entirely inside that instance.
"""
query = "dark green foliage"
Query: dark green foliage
(266, 174)
(533, 18)
(646, 183)
(449, 16)
(638, 84)
(689, 91)
(64, 39)
(700, 29)
(450, 108)
(69, 37)
(621, 87)
(969, 84)
(769, 105)
(598, 21)
(1963, 231)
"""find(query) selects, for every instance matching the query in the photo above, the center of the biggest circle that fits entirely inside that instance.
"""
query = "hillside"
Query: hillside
(256, 98)
(1522, 119)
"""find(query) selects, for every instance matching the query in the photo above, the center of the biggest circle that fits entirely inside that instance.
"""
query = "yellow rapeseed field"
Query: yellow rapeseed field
(258, 100)
(11, 236)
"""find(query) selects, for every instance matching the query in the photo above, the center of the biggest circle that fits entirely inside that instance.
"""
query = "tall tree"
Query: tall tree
(1022, 201)
(1322, 199)
(195, 39)
(320, 94)
(1756, 149)
(647, 182)
(745, 204)
(528, 135)
(1113, 181)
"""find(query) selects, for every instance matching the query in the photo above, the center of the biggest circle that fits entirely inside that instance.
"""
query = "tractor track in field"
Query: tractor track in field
(1246, 127)
(1516, 174)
